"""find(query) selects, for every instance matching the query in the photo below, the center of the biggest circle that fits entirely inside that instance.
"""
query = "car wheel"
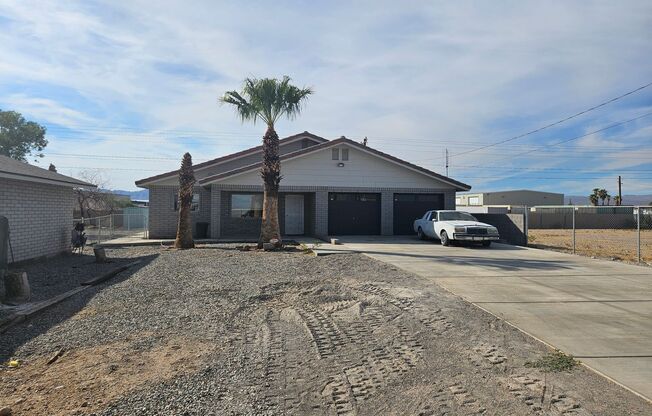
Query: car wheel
(486, 243)
(444, 239)
(420, 234)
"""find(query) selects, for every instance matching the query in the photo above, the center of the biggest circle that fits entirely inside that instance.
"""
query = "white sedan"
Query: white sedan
(448, 226)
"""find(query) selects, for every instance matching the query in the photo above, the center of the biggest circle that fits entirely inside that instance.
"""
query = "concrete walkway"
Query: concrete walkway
(599, 311)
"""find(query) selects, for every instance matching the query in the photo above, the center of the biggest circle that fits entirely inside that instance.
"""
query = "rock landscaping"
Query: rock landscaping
(221, 331)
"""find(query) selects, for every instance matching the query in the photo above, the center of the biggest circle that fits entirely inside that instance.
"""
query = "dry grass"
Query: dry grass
(616, 244)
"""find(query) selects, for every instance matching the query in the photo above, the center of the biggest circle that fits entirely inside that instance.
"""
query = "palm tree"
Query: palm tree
(602, 194)
(186, 182)
(618, 200)
(594, 197)
(268, 99)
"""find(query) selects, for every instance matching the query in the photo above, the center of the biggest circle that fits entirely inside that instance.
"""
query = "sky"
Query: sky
(125, 88)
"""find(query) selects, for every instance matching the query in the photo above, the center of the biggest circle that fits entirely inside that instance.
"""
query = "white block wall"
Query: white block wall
(40, 217)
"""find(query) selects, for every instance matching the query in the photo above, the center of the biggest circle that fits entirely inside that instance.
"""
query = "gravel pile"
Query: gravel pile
(218, 331)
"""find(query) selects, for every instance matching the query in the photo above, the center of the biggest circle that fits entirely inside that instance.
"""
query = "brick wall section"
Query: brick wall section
(162, 216)
(511, 227)
(216, 210)
(40, 217)
(387, 213)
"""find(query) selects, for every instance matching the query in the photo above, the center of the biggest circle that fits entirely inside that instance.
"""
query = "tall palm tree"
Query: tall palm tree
(186, 182)
(602, 194)
(268, 99)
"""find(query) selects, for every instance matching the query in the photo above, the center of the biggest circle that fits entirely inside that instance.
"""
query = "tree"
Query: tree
(20, 138)
(594, 197)
(603, 194)
(268, 99)
(52, 168)
(186, 183)
(95, 200)
(618, 200)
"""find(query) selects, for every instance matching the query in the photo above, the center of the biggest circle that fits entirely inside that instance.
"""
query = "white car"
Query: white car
(448, 226)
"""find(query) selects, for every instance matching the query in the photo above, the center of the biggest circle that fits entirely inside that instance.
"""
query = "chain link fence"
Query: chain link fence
(123, 226)
(614, 232)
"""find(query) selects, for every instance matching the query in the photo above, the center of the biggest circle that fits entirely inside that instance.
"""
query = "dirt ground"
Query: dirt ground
(615, 244)
(287, 333)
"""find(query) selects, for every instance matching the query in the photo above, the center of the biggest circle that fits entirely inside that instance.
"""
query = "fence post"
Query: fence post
(638, 232)
(128, 222)
(526, 224)
(99, 227)
(573, 229)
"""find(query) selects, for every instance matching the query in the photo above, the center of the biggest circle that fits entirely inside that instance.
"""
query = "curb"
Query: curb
(27, 313)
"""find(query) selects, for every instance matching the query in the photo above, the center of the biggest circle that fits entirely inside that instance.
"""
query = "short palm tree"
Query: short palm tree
(594, 197)
(186, 183)
(268, 99)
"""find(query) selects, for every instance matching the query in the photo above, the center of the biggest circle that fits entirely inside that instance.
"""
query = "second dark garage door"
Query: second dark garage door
(353, 214)
(409, 207)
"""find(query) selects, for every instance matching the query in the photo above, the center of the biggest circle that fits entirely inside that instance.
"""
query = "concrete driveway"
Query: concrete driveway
(599, 311)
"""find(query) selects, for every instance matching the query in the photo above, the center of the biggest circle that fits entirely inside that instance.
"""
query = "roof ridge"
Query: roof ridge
(234, 156)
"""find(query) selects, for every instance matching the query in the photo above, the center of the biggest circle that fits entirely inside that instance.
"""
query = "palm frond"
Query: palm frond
(245, 110)
(268, 99)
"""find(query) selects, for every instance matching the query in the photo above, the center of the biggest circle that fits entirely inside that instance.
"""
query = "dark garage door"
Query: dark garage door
(409, 207)
(353, 214)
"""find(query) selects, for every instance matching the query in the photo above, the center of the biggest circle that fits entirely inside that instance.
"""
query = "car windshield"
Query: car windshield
(456, 216)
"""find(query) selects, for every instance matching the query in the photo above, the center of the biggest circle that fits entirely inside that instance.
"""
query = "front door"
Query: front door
(293, 214)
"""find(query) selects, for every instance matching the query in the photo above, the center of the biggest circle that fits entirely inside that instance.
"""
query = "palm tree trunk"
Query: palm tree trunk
(184, 228)
(271, 174)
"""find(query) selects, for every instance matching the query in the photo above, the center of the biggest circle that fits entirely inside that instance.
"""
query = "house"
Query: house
(329, 187)
(523, 197)
(38, 204)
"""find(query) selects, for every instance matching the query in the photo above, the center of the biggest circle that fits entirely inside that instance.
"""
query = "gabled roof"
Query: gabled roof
(232, 156)
(343, 140)
(22, 171)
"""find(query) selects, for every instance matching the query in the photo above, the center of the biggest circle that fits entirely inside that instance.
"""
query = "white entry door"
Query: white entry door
(293, 214)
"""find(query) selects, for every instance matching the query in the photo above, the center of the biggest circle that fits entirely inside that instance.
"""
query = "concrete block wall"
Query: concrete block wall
(163, 218)
(511, 227)
(40, 217)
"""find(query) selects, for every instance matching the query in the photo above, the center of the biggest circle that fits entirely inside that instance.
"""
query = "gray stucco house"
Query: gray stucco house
(329, 187)
(38, 204)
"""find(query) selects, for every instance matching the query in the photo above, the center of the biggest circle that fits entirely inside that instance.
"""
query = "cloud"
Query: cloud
(414, 77)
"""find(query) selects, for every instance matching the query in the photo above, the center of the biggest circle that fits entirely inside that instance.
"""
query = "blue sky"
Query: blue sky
(130, 87)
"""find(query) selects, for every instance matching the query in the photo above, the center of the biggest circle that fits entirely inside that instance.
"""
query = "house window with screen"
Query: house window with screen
(345, 154)
(336, 154)
(194, 205)
(246, 205)
(474, 200)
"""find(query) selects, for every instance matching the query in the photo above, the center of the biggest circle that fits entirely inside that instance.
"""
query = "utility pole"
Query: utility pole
(447, 161)
(620, 192)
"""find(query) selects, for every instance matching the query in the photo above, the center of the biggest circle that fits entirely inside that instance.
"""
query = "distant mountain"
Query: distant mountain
(627, 199)
(142, 195)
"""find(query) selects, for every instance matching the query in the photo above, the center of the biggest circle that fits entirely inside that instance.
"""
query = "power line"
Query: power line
(576, 137)
(557, 122)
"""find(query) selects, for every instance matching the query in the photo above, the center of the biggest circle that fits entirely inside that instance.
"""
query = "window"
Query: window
(474, 200)
(456, 216)
(345, 154)
(458, 201)
(246, 205)
(194, 205)
(336, 154)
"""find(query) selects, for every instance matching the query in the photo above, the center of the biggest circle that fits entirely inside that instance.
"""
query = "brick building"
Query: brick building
(329, 187)
(38, 204)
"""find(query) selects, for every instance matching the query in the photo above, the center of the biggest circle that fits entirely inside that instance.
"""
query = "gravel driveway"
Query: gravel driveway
(218, 331)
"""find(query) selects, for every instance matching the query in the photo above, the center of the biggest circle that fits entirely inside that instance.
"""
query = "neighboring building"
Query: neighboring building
(37, 202)
(509, 198)
(333, 187)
